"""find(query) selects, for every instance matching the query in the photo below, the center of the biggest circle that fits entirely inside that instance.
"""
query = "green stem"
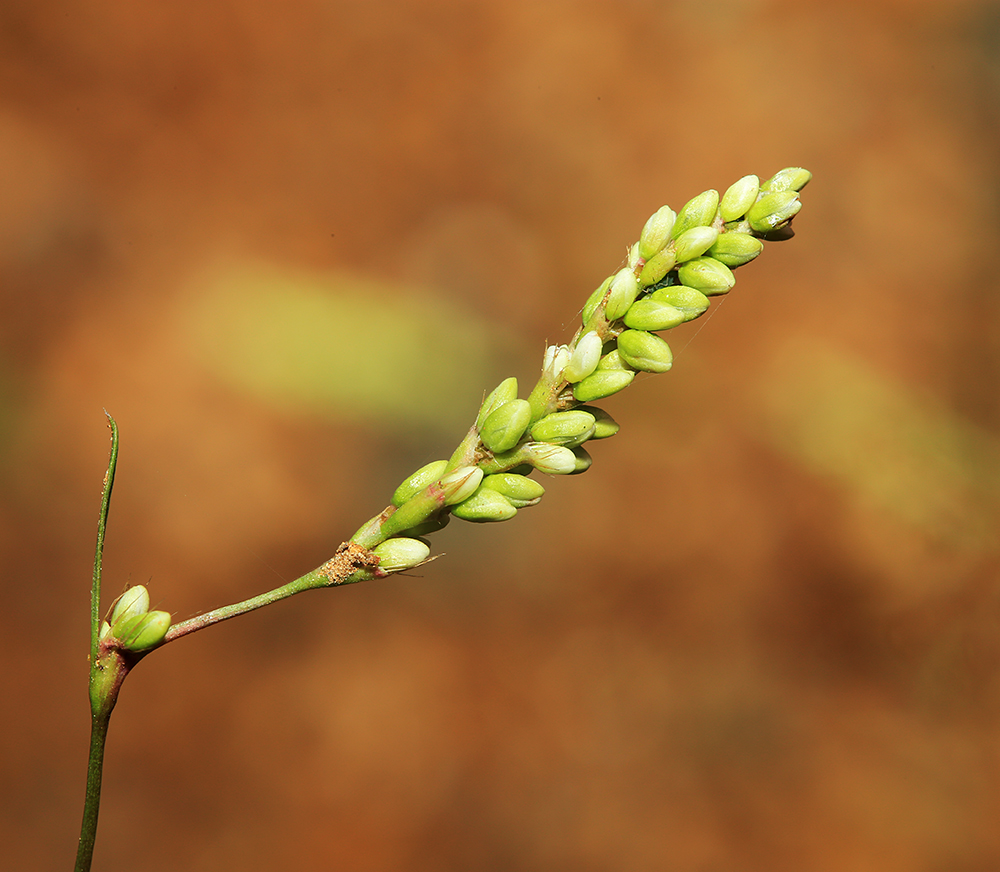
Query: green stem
(103, 693)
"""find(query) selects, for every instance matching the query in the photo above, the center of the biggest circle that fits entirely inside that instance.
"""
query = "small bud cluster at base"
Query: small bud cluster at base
(132, 625)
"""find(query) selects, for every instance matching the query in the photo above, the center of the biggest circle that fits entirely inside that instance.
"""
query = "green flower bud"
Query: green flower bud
(645, 351)
(502, 393)
(735, 249)
(461, 484)
(772, 210)
(400, 553)
(650, 314)
(604, 425)
(624, 290)
(485, 505)
(687, 300)
(633, 256)
(656, 233)
(550, 459)
(505, 426)
(602, 383)
(697, 212)
(740, 197)
(657, 267)
(134, 602)
(788, 179)
(694, 243)
(519, 490)
(594, 300)
(583, 461)
(707, 275)
(613, 361)
(564, 428)
(584, 359)
(142, 632)
(418, 481)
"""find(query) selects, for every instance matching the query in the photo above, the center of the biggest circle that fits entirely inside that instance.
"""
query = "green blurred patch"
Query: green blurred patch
(341, 346)
(893, 447)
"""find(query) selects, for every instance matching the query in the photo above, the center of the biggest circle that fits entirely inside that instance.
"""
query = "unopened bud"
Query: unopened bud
(502, 393)
(650, 314)
(460, 484)
(594, 300)
(788, 179)
(656, 233)
(740, 197)
(134, 602)
(604, 425)
(142, 632)
(550, 459)
(583, 460)
(602, 383)
(707, 275)
(772, 210)
(505, 426)
(584, 359)
(694, 243)
(564, 428)
(644, 351)
(485, 505)
(697, 212)
(657, 267)
(624, 290)
(418, 481)
(519, 490)
(735, 249)
(687, 300)
(400, 553)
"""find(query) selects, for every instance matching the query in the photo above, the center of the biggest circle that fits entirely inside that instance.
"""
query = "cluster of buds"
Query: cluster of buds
(131, 625)
(680, 260)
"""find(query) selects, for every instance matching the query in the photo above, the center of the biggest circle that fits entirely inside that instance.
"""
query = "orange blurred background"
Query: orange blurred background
(288, 246)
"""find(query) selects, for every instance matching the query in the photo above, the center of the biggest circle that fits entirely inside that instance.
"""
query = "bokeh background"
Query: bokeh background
(288, 246)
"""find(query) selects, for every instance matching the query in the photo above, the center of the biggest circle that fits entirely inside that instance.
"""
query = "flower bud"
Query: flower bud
(505, 426)
(694, 243)
(707, 275)
(602, 383)
(657, 267)
(583, 461)
(585, 357)
(772, 210)
(644, 351)
(461, 484)
(502, 393)
(485, 505)
(613, 361)
(788, 179)
(624, 290)
(564, 428)
(594, 300)
(604, 425)
(418, 481)
(632, 260)
(735, 249)
(134, 602)
(697, 212)
(656, 233)
(740, 197)
(555, 360)
(400, 553)
(650, 314)
(142, 632)
(687, 300)
(519, 490)
(550, 459)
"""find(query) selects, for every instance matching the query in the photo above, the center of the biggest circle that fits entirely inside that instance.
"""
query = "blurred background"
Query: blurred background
(289, 246)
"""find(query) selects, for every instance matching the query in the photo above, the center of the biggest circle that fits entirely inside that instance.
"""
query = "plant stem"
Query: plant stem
(102, 693)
